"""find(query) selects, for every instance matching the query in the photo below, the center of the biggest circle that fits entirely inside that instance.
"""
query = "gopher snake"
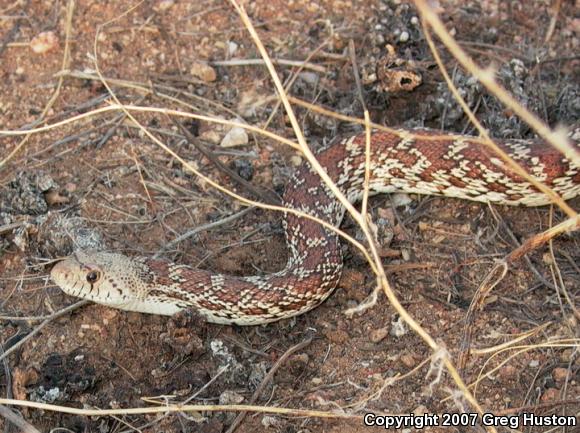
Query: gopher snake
(422, 162)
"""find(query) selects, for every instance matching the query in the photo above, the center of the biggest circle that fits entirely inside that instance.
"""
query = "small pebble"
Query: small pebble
(163, 5)
(420, 410)
(560, 374)
(70, 187)
(398, 328)
(230, 397)
(508, 372)
(232, 48)
(408, 360)
(551, 394)
(295, 160)
(272, 422)
(237, 136)
(203, 71)
(378, 335)
(337, 336)
(44, 42)
(404, 37)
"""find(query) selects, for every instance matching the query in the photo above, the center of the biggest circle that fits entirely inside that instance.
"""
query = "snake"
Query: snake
(409, 161)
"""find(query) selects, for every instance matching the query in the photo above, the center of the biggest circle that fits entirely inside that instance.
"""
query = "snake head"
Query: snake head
(106, 278)
(87, 276)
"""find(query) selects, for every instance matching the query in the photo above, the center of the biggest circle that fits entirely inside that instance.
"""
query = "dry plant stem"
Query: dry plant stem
(559, 282)
(367, 125)
(266, 196)
(202, 228)
(483, 132)
(531, 244)
(389, 381)
(180, 408)
(149, 89)
(245, 62)
(494, 276)
(486, 77)
(290, 83)
(163, 400)
(165, 111)
(268, 378)
(564, 343)
(17, 420)
(509, 343)
(553, 21)
(65, 61)
(361, 220)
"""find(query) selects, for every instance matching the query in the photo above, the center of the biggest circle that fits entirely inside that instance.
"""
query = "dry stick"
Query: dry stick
(180, 408)
(149, 89)
(439, 351)
(559, 283)
(531, 244)
(268, 378)
(122, 107)
(266, 196)
(9, 391)
(494, 276)
(202, 228)
(365, 199)
(564, 343)
(290, 82)
(387, 382)
(553, 21)
(187, 400)
(56, 93)
(245, 62)
(556, 138)
(42, 325)
(17, 420)
(509, 343)
(371, 300)
(6, 40)
(9, 227)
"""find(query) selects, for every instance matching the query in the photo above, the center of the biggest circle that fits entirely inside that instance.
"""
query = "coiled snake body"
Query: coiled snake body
(424, 162)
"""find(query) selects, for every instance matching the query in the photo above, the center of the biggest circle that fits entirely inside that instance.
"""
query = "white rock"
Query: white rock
(236, 137)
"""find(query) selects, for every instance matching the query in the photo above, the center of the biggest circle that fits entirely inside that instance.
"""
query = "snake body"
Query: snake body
(423, 162)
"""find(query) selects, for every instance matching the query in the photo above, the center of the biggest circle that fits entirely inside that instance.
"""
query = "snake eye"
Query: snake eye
(93, 276)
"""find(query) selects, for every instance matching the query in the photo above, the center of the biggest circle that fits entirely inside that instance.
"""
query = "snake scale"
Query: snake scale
(423, 162)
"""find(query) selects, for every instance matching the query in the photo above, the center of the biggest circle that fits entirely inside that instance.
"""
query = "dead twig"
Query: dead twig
(264, 195)
(246, 62)
(202, 228)
(268, 378)
(42, 325)
(17, 420)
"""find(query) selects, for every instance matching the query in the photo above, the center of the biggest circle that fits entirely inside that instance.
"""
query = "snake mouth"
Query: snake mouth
(65, 274)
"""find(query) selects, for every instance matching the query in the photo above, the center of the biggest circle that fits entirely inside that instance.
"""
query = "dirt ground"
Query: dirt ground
(99, 182)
